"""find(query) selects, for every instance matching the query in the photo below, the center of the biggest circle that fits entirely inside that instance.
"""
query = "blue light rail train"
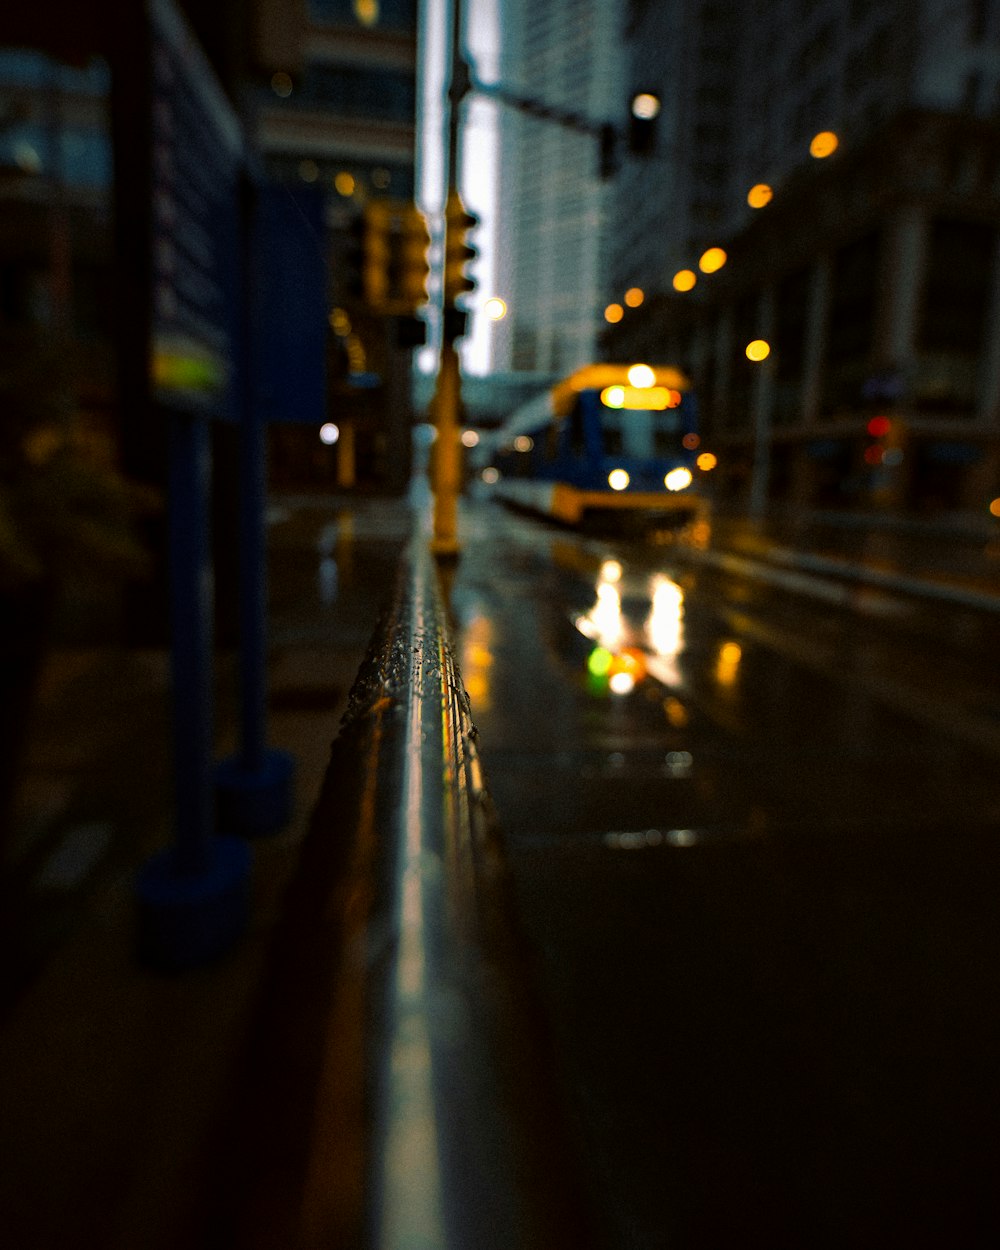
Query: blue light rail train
(610, 440)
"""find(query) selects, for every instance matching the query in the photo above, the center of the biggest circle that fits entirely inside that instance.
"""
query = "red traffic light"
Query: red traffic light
(879, 427)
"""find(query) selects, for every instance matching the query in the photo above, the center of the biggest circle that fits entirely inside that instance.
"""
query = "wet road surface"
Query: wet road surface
(759, 885)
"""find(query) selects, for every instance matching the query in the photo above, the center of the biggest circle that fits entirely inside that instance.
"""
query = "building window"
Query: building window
(383, 14)
(791, 319)
(959, 274)
(360, 91)
(851, 325)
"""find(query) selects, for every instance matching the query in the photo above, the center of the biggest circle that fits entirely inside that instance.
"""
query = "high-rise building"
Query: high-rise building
(843, 155)
(563, 54)
(331, 103)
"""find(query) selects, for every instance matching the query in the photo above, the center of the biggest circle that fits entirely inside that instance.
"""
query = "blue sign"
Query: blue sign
(197, 157)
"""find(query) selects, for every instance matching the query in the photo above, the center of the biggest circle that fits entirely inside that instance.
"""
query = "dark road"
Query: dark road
(758, 883)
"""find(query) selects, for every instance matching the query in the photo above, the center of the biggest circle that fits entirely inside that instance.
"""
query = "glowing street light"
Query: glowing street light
(634, 296)
(824, 144)
(712, 260)
(758, 350)
(495, 308)
(684, 280)
(760, 195)
(614, 313)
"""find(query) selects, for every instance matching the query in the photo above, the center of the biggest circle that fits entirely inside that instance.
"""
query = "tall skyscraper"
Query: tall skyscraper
(552, 203)
(843, 155)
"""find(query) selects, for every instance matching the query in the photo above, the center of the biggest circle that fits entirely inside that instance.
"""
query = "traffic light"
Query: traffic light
(878, 431)
(414, 269)
(880, 442)
(378, 253)
(458, 252)
(395, 268)
(643, 113)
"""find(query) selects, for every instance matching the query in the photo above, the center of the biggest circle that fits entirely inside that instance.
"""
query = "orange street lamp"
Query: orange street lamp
(824, 144)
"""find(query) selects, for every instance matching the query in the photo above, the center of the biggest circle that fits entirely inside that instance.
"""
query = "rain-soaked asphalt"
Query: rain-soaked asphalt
(760, 887)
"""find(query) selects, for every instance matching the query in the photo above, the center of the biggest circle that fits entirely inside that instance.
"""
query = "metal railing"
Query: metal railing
(408, 1092)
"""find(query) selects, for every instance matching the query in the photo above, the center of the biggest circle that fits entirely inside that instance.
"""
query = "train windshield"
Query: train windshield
(639, 432)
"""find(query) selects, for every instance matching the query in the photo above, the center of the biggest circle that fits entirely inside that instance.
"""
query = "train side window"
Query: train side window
(611, 436)
(667, 433)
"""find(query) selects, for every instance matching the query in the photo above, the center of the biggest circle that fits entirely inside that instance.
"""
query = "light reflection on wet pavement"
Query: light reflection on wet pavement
(758, 883)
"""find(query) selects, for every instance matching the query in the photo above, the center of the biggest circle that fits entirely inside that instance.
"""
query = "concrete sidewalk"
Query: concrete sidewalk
(113, 1079)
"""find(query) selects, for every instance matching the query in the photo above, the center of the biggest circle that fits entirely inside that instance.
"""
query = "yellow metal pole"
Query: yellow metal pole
(447, 401)
(447, 459)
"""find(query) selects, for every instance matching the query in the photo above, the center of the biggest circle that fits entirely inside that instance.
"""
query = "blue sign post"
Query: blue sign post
(207, 326)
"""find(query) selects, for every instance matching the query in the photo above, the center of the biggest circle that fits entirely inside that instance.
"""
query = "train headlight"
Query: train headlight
(618, 479)
(678, 479)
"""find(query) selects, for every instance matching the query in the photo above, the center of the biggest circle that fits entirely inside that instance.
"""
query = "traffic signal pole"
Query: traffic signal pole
(447, 400)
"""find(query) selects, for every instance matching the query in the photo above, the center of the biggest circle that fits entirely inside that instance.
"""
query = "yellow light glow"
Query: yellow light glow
(495, 308)
(675, 711)
(728, 664)
(597, 377)
(477, 659)
(641, 375)
(634, 296)
(523, 443)
(760, 195)
(824, 144)
(618, 479)
(470, 438)
(712, 260)
(758, 350)
(614, 313)
(640, 399)
(707, 461)
(340, 323)
(366, 11)
(685, 279)
(678, 479)
(611, 571)
(645, 106)
(344, 184)
(995, 507)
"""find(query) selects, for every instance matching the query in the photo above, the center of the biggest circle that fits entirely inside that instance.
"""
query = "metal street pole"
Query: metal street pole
(447, 400)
